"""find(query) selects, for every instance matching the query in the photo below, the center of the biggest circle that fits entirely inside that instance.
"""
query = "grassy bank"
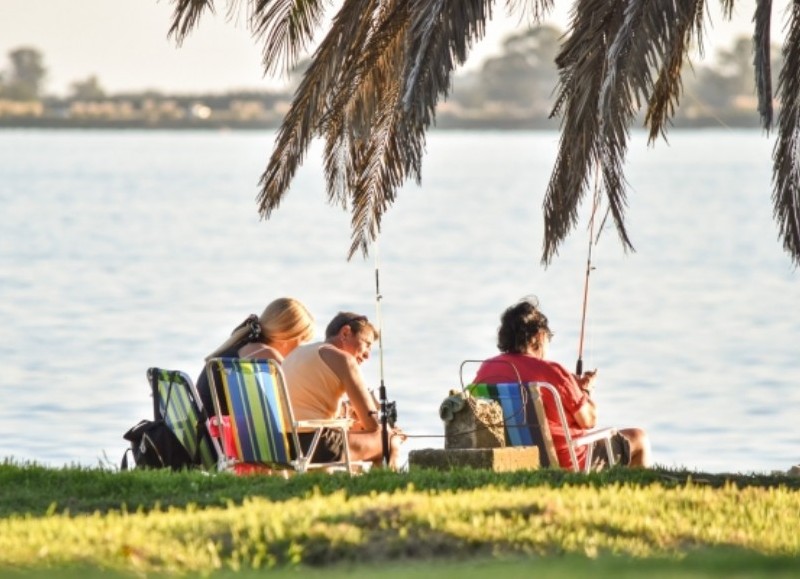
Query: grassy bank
(133, 522)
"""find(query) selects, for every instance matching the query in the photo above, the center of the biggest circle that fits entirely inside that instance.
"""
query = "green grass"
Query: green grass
(419, 524)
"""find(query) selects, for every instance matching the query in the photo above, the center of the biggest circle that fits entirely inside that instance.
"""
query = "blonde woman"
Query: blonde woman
(283, 325)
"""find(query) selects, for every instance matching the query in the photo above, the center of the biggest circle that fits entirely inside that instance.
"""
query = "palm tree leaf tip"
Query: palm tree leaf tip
(186, 16)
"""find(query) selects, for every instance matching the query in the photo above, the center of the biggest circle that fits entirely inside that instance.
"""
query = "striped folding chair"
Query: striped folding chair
(176, 401)
(525, 422)
(523, 413)
(262, 428)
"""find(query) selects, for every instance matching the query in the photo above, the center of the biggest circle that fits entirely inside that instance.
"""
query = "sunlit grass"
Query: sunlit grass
(175, 523)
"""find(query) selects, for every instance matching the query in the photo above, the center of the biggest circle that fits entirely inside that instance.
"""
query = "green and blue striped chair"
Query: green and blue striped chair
(525, 422)
(523, 412)
(176, 401)
(262, 426)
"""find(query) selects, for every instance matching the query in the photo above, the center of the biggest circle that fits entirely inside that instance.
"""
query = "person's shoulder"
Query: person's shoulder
(557, 367)
(299, 350)
(338, 360)
(299, 354)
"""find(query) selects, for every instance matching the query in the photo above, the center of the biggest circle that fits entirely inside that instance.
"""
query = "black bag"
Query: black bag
(154, 445)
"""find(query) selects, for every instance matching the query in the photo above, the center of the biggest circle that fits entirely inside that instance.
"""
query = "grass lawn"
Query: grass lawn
(545, 523)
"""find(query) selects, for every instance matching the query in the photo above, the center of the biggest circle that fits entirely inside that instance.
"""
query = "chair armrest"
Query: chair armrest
(345, 423)
(593, 436)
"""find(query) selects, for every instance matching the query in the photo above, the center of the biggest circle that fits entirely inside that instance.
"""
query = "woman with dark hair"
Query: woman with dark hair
(524, 339)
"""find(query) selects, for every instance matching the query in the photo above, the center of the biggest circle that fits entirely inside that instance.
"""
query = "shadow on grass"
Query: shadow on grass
(37, 490)
(706, 563)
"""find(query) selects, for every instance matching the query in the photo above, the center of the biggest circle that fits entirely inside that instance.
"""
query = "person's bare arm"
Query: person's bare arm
(586, 416)
(346, 368)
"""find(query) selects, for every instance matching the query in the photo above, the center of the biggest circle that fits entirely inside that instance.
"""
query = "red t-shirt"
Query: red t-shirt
(498, 370)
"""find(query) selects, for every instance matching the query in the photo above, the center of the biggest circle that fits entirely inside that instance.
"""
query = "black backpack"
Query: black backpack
(153, 443)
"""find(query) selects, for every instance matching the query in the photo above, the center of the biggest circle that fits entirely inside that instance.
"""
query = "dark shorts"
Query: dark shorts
(620, 446)
(329, 449)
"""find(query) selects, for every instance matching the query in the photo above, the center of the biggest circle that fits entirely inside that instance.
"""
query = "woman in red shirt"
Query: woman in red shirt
(524, 338)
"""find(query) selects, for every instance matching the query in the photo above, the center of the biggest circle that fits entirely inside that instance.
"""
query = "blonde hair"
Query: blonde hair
(283, 320)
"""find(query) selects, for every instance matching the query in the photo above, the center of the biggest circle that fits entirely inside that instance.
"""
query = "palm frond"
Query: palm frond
(533, 10)
(581, 63)
(366, 119)
(352, 120)
(786, 154)
(441, 35)
(185, 17)
(727, 8)
(762, 61)
(336, 53)
(654, 38)
(666, 92)
(382, 170)
(285, 27)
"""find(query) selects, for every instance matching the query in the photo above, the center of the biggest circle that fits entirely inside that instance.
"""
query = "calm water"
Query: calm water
(124, 250)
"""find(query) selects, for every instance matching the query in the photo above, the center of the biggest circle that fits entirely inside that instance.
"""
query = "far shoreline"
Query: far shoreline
(444, 123)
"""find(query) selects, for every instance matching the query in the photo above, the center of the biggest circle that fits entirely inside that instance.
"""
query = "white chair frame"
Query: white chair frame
(587, 439)
(303, 460)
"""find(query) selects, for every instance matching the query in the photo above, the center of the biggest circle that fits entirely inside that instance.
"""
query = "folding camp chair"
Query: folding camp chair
(175, 400)
(526, 424)
(262, 427)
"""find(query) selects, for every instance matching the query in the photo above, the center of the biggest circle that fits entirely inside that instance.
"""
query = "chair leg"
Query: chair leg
(307, 458)
(589, 455)
(347, 452)
(609, 451)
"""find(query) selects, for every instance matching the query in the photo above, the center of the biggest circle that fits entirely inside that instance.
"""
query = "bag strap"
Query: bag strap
(124, 464)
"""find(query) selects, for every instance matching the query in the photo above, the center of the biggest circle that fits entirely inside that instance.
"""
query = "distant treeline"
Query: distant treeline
(510, 91)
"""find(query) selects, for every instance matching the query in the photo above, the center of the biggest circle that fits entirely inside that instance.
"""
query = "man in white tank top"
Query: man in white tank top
(319, 375)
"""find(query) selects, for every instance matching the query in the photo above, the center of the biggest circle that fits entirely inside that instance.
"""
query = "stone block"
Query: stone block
(495, 459)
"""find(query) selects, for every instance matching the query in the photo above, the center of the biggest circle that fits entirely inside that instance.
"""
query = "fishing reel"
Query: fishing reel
(389, 411)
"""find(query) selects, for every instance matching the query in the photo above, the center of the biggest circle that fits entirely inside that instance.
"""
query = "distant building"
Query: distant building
(10, 108)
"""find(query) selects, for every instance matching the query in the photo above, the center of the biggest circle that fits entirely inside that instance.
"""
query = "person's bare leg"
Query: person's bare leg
(368, 446)
(641, 454)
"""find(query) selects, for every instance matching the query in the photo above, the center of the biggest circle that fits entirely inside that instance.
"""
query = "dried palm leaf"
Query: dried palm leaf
(666, 92)
(370, 150)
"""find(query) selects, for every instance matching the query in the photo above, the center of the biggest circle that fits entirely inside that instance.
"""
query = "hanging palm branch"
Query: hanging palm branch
(379, 73)
(607, 69)
(786, 155)
(761, 61)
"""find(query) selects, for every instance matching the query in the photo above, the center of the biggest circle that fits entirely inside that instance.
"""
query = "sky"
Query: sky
(124, 43)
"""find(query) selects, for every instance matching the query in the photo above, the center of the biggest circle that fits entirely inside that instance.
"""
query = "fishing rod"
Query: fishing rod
(589, 268)
(388, 409)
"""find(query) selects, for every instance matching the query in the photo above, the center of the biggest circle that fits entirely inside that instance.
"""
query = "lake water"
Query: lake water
(125, 250)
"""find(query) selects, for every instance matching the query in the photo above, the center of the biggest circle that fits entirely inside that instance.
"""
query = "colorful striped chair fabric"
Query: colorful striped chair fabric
(262, 424)
(526, 422)
(523, 413)
(176, 401)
